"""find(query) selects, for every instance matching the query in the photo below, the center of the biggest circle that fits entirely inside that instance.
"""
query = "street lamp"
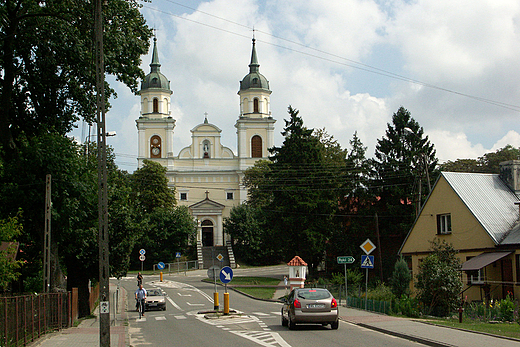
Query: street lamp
(87, 140)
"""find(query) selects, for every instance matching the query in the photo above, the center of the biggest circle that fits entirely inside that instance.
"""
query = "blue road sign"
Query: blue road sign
(226, 274)
(160, 265)
(177, 254)
(142, 252)
(367, 261)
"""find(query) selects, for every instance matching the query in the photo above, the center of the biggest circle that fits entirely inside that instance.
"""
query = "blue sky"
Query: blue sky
(331, 61)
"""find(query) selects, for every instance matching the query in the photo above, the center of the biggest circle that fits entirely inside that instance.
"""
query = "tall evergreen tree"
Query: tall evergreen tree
(304, 187)
(404, 166)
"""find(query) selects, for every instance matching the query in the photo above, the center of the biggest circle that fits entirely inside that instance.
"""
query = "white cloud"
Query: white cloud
(471, 47)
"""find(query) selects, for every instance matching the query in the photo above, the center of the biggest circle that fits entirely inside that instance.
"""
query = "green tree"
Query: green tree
(355, 205)
(253, 241)
(255, 180)
(403, 157)
(400, 280)
(10, 229)
(305, 189)
(47, 63)
(150, 188)
(164, 227)
(488, 163)
(438, 280)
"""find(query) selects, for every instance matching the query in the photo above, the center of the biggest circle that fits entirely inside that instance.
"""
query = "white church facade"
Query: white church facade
(206, 175)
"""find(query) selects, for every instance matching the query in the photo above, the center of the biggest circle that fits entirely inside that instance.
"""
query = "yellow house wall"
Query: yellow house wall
(467, 236)
(467, 233)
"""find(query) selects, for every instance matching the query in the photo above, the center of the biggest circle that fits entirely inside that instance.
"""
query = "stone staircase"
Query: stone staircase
(207, 256)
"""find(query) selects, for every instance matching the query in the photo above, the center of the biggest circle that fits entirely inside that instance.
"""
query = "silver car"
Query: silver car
(155, 298)
(310, 305)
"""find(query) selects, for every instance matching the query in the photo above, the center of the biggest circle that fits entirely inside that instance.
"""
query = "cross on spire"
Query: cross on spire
(207, 195)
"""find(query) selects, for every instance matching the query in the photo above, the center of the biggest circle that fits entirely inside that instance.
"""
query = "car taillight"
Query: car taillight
(333, 303)
(297, 304)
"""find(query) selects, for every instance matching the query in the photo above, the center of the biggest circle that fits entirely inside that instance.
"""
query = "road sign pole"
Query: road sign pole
(366, 289)
(346, 287)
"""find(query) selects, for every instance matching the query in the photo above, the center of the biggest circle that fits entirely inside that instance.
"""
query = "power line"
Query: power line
(348, 62)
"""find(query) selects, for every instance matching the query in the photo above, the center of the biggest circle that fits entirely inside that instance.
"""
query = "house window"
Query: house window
(155, 106)
(229, 196)
(256, 147)
(255, 105)
(184, 196)
(444, 224)
(475, 277)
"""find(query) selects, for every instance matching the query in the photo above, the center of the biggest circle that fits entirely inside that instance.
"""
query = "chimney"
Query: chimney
(510, 174)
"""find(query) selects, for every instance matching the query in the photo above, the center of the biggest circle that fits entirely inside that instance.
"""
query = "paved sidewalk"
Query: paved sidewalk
(87, 332)
(428, 334)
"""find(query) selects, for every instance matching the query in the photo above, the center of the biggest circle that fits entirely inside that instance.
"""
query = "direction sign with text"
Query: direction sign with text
(346, 259)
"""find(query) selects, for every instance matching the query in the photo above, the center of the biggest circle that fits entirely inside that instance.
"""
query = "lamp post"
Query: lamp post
(87, 140)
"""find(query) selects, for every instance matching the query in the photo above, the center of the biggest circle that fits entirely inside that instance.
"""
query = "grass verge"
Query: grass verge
(501, 328)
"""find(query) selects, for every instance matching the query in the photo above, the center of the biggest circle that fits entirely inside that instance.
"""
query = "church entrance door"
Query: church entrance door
(207, 233)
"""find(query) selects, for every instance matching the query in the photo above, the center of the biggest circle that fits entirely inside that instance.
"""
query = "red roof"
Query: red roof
(297, 261)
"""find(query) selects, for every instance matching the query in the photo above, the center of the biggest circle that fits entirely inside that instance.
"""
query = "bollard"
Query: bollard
(226, 303)
(215, 301)
(160, 275)
(460, 314)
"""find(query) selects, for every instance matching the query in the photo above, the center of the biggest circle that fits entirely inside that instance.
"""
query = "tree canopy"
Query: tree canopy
(48, 79)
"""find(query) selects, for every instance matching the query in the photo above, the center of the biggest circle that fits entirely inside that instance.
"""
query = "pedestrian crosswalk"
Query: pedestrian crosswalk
(245, 318)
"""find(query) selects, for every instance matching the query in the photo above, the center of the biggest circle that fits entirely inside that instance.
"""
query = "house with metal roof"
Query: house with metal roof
(479, 215)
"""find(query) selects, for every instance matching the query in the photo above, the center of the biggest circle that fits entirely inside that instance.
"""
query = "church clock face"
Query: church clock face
(155, 147)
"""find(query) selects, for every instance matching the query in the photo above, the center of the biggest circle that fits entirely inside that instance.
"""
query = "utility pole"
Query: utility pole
(104, 292)
(47, 237)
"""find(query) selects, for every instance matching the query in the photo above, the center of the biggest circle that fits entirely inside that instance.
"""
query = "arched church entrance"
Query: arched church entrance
(207, 233)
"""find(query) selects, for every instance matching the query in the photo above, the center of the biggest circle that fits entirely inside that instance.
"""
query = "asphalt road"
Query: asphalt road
(184, 323)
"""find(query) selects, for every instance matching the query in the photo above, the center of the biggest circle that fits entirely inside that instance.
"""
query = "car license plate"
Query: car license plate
(315, 305)
(152, 304)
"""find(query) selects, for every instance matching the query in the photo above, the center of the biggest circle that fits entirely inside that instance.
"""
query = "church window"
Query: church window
(155, 147)
(229, 195)
(255, 106)
(256, 147)
(184, 196)
(155, 106)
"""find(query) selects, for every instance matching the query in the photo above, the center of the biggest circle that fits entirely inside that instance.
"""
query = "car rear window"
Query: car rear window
(314, 294)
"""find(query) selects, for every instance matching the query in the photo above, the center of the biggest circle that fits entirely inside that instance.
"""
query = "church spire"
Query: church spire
(254, 66)
(155, 65)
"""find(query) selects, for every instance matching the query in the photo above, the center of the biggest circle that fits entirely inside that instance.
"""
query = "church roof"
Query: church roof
(155, 79)
(254, 79)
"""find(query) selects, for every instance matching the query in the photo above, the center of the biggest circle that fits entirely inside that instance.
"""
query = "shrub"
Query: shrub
(400, 280)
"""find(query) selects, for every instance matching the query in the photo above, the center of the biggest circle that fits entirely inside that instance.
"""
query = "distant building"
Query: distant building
(479, 215)
(207, 175)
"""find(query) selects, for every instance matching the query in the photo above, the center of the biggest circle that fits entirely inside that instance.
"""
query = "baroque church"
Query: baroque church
(206, 175)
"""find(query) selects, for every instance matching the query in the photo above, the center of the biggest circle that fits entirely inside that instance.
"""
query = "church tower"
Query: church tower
(255, 126)
(155, 125)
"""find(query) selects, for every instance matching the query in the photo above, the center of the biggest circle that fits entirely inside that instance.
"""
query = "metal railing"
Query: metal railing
(25, 318)
(180, 266)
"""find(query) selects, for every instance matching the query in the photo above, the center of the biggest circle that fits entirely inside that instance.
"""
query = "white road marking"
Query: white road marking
(267, 339)
(189, 303)
(160, 318)
(174, 304)
(180, 317)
